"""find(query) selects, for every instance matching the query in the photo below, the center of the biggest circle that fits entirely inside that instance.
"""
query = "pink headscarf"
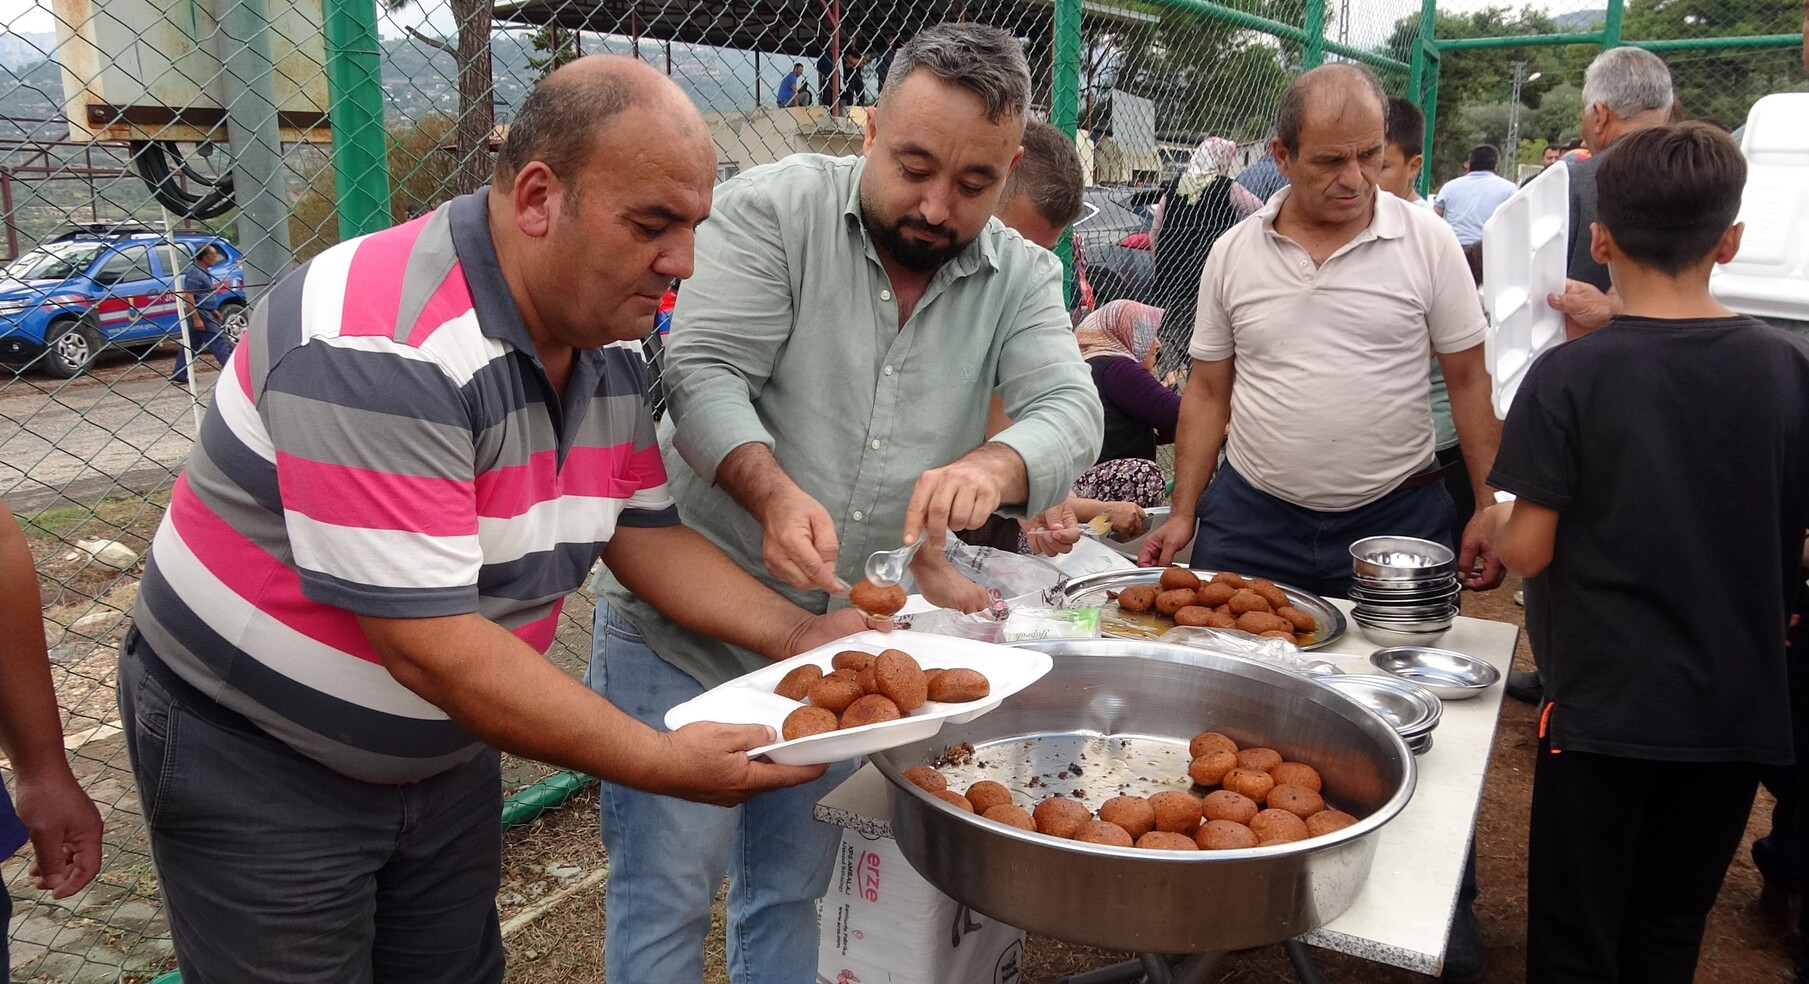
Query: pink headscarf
(1121, 328)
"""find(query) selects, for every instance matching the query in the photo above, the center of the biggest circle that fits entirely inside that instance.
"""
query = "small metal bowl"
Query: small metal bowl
(1411, 710)
(1447, 674)
(1401, 557)
(1436, 620)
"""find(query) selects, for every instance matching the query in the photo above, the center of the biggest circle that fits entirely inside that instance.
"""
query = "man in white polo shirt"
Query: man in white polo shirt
(1323, 306)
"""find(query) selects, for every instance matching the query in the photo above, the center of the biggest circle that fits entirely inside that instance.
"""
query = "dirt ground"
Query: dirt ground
(561, 855)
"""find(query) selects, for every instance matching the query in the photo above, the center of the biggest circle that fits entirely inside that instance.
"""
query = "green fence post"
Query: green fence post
(355, 109)
(1611, 24)
(1429, 108)
(1064, 112)
(1314, 52)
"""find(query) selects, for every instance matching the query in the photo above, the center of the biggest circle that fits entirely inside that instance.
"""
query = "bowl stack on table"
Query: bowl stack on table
(1405, 589)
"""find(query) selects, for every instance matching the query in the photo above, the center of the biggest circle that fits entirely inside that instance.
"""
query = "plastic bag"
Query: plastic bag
(1236, 642)
(1021, 581)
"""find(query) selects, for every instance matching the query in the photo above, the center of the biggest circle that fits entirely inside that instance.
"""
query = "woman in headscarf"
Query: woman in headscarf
(1119, 343)
(1197, 208)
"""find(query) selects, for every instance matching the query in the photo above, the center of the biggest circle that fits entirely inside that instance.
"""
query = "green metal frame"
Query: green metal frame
(355, 111)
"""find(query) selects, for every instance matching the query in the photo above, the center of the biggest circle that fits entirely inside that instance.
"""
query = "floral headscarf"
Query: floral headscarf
(1211, 159)
(1120, 328)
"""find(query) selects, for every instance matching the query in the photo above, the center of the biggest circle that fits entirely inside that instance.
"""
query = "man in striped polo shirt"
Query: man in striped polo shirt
(424, 441)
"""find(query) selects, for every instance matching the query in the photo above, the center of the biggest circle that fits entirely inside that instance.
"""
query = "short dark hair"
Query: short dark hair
(1667, 193)
(985, 61)
(1406, 126)
(1048, 174)
(1483, 158)
(558, 124)
(1340, 76)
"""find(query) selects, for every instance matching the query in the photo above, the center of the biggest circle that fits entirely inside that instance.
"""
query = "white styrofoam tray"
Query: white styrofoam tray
(750, 699)
(1524, 247)
(1769, 278)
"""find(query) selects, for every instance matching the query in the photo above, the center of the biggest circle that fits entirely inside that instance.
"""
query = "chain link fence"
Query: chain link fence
(134, 132)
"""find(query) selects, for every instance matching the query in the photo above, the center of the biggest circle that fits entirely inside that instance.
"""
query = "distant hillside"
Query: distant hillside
(1581, 20)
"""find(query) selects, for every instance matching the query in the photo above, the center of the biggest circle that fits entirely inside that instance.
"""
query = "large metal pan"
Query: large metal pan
(1130, 708)
(1090, 592)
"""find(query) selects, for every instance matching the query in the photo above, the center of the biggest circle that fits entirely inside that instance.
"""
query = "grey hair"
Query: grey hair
(1341, 76)
(983, 60)
(1629, 81)
(1049, 175)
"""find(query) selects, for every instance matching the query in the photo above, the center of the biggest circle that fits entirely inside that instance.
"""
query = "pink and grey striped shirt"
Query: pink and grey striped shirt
(385, 443)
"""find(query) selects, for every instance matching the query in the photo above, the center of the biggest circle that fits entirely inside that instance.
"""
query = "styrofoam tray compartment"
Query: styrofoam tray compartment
(1523, 259)
(1769, 278)
(750, 699)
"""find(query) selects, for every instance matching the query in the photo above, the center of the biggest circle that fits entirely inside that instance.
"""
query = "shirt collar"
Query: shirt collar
(983, 250)
(1387, 222)
(497, 316)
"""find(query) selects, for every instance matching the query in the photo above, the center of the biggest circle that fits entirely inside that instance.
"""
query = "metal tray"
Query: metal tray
(1089, 592)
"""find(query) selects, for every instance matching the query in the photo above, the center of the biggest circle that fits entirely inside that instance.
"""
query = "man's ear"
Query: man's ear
(1601, 243)
(1729, 246)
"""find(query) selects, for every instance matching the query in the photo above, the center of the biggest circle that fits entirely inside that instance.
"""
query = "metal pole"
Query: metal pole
(248, 91)
(1611, 24)
(355, 107)
(190, 356)
(1064, 109)
(756, 79)
(1511, 150)
(1314, 53)
(6, 204)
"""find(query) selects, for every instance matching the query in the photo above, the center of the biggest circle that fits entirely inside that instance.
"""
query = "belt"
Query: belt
(1423, 479)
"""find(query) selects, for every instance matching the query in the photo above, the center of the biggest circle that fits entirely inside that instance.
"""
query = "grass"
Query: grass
(112, 514)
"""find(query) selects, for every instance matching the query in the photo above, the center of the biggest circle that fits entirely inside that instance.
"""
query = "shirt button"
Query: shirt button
(888, 370)
(858, 515)
(885, 295)
(876, 444)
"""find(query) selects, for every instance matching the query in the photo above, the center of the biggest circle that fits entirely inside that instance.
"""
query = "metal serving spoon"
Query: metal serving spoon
(887, 567)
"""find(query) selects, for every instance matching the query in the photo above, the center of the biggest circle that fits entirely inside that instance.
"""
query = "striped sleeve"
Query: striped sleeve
(375, 467)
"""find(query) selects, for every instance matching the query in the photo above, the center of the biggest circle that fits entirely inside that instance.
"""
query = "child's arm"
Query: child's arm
(1522, 534)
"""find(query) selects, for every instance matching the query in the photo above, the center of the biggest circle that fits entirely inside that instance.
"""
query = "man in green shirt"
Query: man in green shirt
(828, 372)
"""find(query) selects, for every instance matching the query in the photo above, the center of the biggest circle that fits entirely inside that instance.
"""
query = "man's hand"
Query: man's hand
(1160, 548)
(943, 586)
(1478, 568)
(799, 543)
(1585, 308)
(708, 763)
(819, 629)
(1052, 532)
(1128, 520)
(956, 496)
(65, 831)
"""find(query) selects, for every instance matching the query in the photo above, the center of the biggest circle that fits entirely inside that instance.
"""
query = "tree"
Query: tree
(1721, 83)
(561, 47)
(477, 114)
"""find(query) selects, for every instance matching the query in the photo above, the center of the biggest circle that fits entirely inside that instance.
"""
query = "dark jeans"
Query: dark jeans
(277, 870)
(1457, 485)
(1247, 530)
(1624, 861)
(211, 339)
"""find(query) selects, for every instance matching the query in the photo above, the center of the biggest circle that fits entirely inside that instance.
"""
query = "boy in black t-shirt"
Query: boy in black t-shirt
(1662, 469)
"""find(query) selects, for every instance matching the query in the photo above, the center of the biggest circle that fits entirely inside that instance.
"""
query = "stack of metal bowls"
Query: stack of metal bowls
(1410, 709)
(1405, 589)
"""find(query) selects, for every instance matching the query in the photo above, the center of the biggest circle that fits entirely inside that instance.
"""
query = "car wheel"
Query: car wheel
(232, 321)
(71, 348)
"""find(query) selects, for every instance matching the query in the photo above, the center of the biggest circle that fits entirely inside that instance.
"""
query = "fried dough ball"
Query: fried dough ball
(1103, 832)
(1059, 816)
(1256, 623)
(1227, 805)
(1298, 800)
(1015, 816)
(1253, 783)
(1221, 620)
(852, 676)
(900, 680)
(1227, 577)
(1249, 601)
(1163, 840)
(1138, 598)
(1210, 741)
(851, 659)
(986, 794)
(871, 709)
(875, 600)
(926, 778)
(1133, 813)
(1297, 774)
(1195, 615)
(796, 684)
(1210, 768)
(807, 721)
(1223, 835)
(869, 683)
(1176, 812)
(1327, 821)
(1277, 827)
(836, 692)
(929, 677)
(959, 686)
(956, 800)
(1301, 621)
(1279, 634)
(1179, 577)
(1276, 597)
(1215, 594)
(1170, 602)
(1258, 758)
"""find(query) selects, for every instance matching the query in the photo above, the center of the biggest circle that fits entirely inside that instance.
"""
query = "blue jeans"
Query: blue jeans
(211, 339)
(667, 857)
(1244, 529)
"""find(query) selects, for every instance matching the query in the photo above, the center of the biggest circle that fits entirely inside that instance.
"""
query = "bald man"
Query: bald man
(427, 438)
